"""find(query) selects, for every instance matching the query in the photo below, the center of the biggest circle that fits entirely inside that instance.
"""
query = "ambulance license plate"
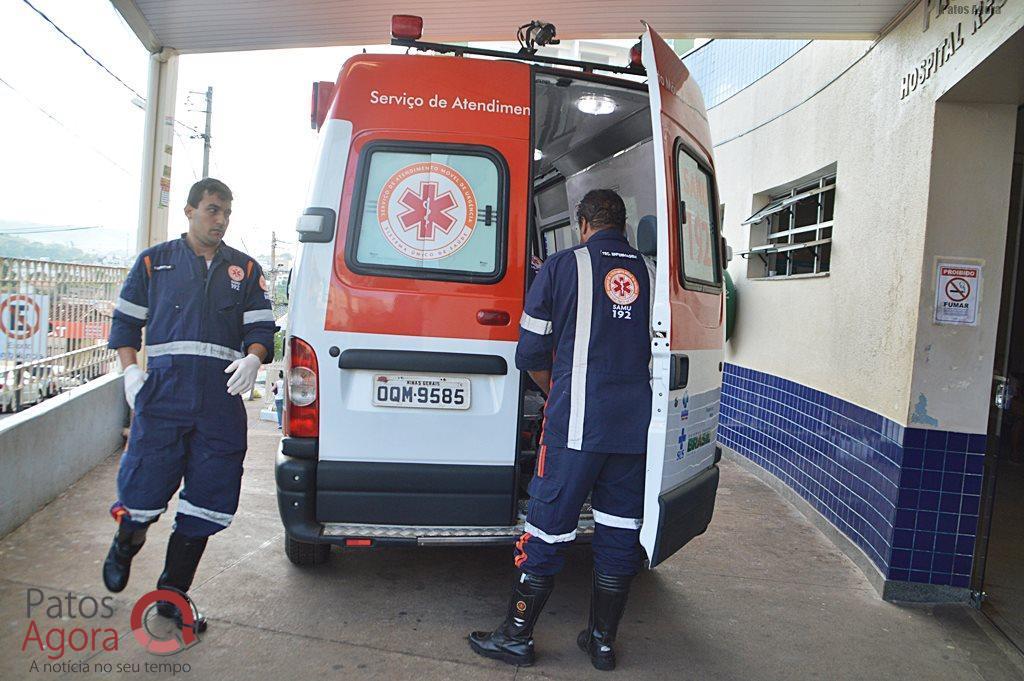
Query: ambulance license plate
(421, 392)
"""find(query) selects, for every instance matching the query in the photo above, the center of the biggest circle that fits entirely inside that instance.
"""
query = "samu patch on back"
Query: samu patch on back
(621, 286)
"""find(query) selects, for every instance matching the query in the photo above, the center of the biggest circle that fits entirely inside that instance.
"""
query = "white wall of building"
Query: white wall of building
(855, 333)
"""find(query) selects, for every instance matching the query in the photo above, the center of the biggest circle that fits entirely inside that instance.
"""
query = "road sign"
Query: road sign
(956, 294)
(24, 323)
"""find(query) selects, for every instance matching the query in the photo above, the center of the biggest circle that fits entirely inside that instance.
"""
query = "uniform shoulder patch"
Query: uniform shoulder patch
(621, 286)
(263, 283)
(236, 273)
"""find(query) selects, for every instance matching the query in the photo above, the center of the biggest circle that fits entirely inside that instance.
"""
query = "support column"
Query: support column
(157, 143)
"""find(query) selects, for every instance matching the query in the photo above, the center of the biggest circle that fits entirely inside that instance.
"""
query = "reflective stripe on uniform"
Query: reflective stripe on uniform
(258, 316)
(609, 520)
(193, 348)
(548, 538)
(186, 508)
(142, 514)
(131, 309)
(534, 325)
(580, 348)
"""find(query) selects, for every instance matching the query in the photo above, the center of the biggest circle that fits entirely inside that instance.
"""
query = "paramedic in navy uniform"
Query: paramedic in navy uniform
(209, 327)
(585, 340)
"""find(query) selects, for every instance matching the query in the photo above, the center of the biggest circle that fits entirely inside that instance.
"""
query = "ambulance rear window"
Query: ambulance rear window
(429, 211)
(698, 238)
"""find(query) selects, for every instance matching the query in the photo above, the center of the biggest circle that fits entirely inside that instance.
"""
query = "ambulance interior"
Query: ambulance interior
(589, 133)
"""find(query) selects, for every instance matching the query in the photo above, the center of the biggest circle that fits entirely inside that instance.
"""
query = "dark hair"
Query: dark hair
(603, 209)
(280, 374)
(208, 185)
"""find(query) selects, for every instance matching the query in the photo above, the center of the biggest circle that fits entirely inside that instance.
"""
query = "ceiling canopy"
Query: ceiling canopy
(191, 26)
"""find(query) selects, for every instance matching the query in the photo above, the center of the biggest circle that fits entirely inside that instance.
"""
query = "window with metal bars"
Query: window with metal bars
(792, 235)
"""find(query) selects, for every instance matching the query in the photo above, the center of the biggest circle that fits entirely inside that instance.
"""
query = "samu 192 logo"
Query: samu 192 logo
(427, 211)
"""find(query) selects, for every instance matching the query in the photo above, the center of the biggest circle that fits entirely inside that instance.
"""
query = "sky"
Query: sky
(71, 137)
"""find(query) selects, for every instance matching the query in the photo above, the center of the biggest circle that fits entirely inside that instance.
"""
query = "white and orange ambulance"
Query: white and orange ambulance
(444, 176)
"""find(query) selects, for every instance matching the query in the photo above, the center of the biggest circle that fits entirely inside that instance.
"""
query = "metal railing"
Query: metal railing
(54, 322)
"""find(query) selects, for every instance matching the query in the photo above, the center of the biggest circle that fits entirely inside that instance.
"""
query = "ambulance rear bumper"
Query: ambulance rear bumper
(470, 522)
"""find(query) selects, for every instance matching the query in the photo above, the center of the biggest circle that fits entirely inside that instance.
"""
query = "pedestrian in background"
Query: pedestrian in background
(279, 397)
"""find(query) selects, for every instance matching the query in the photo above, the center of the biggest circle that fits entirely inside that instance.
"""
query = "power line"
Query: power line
(69, 130)
(87, 54)
(29, 231)
(97, 61)
(190, 166)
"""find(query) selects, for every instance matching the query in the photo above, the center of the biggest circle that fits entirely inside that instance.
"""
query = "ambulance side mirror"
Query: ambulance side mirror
(323, 95)
(316, 225)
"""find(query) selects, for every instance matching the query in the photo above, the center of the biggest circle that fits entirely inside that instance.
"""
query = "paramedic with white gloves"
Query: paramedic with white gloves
(209, 327)
(585, 339)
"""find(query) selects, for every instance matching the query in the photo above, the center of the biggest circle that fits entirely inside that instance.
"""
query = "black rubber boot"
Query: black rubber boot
(607, 602)
(118, 565)
(512, 642)
(183, 554)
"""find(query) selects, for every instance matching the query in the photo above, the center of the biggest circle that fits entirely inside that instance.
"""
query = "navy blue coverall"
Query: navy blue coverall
(198, 319)
(587, 319)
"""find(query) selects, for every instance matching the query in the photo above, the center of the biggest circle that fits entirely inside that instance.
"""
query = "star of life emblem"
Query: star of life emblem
(427, 211)
(621, 286)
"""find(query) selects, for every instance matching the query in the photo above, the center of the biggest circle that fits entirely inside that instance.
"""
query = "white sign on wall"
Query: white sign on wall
(957, 290)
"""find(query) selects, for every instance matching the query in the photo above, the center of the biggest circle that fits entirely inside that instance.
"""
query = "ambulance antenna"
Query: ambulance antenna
(535, 35)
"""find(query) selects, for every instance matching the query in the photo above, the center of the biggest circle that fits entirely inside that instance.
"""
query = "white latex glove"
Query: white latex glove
(134, 377)
(243, 374)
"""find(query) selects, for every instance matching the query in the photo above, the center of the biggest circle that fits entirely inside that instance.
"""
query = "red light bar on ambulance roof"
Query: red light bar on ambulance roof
(406, 26)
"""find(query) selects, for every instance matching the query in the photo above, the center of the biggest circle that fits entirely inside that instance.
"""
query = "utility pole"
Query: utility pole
(206, 135)
(273, 268)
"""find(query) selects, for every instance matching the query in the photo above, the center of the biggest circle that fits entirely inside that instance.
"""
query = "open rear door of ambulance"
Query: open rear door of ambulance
(682, 475)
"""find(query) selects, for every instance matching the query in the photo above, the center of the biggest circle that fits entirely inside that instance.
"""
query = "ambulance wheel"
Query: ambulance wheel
(305, 554)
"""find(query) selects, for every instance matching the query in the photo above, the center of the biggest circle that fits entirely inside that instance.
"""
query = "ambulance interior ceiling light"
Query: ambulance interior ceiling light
(597, 105)
(537, 154)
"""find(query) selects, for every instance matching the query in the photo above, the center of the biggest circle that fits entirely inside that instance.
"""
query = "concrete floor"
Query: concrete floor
(763, 595)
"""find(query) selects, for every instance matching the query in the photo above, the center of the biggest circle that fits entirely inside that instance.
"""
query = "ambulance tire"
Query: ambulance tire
(305, 554)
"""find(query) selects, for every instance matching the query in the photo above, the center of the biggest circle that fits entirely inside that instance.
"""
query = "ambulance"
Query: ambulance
(444, 177)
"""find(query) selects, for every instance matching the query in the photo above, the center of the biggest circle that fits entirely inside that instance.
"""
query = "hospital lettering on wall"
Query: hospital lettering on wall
(981, 12)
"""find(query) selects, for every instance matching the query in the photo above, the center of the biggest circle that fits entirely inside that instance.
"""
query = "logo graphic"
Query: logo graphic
(263, 283)
(521, 606)
(183, 638)
(621, 286)
(427, 211)
(236, 273)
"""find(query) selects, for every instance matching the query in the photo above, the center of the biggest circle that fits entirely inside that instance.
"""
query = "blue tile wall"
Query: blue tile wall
(908, 497)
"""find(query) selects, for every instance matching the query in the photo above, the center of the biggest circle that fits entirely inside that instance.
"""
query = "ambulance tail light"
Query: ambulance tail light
(303, 406)
(406, 26)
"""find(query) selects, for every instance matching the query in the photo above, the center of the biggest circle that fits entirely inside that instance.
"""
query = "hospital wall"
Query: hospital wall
(825, 372)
